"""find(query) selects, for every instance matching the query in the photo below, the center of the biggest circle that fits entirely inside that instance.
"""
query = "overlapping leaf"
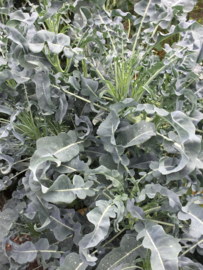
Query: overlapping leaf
(128, 251)
(50, 218)
(100, 217)
(112, 175)
(42, 82)
(27, 252)
(151, 190)
(136, 134)
(62, 191)
(61, 148)
(195, 213)
(56, 43)
(164, 248)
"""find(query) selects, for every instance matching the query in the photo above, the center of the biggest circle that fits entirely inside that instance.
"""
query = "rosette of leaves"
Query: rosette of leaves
(104, 136)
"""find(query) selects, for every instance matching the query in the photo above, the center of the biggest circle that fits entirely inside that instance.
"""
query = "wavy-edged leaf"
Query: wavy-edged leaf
(120, 211)
(164, 248)
(142, 161)
(149, 10)
(6, 110)
(89, 88)
(17, 38)
(151, 190)
(136, 134)
(63, 146)
(6, 169)
(107, 130)
(75, 165)
(50, 218)
(63, 191)
(187, 264)
(195, 213)
(33, 60)
(20, 16)
(135, 211)
(112, 175)
(128, 251)
(100, 217)
(182, 27)
(56, 5)
(62, 104)
(37, 42)
(60, 41)
(8, 216)
(188, 144)
(60, 148)
(27, 252)
(86, 130)
(42, 82)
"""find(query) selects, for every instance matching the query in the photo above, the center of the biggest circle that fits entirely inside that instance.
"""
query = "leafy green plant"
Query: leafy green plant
(101, 139)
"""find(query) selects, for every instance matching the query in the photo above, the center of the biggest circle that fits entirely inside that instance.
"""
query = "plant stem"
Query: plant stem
(58, 64)
(152, 210)
(163, 223)
(153, 77)
(84, 99)
(18, 174)
(164, 137)
(201, 131)
(190, 248)
(132, 178)
(107, 196)
(111, 239)
(16, 162)
(28, 105)
(35, 11)
(140, 28)
(129, 27)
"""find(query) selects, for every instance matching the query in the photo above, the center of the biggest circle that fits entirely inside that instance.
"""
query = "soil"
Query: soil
(34, 265)
(197, 13)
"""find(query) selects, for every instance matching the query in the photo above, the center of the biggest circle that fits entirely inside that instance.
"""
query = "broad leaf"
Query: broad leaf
(62, 191)
(107, 130)
(50, 12)
(135, 211)
(20, 16)
(112, 175)
(72, 166)
(195, 213)
(187, 264)
(151, 190)
(164, 248)
(128, 251)
(50, 218)
(43, 92)
(136, 134)
(73, 262)
(61, 148)
(100, 217)
(27, 252)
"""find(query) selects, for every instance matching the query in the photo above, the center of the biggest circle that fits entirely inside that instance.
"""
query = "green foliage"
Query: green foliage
(100, 136)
